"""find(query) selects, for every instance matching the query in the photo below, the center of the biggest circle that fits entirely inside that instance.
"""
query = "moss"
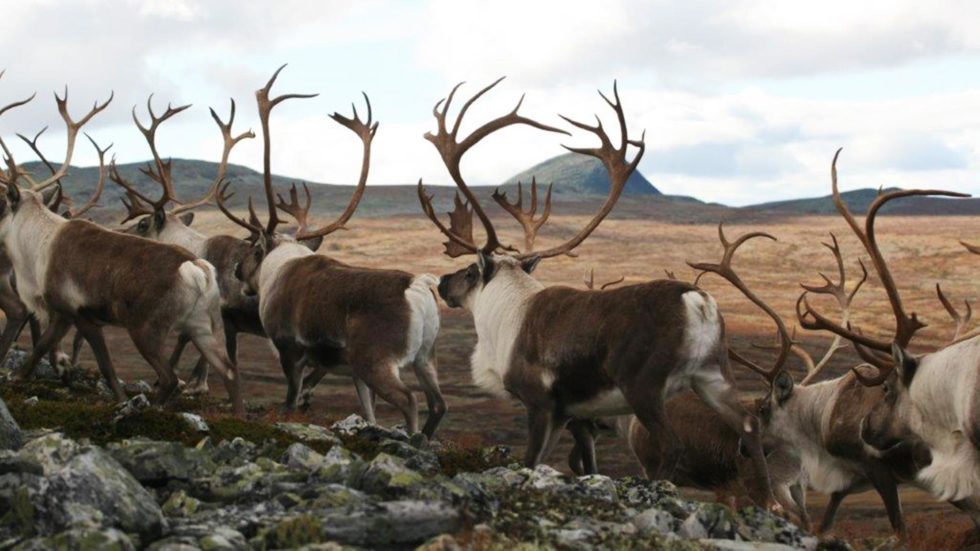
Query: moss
(455, 458)
(292, 533)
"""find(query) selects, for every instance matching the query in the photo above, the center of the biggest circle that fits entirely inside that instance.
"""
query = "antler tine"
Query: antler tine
(906, 325)
(617, 166)
(975, 249)
(73, 127)
(161, 174)
(230, 141)
(452, 149)
(293, 208)
(961, 320)
(135, 202)
(843, 297)
(15, 104)
(13, 171)
(460, 230)
(253, 225)
(99, 187)
(528, 222)
(266, 104)
(32, 143)
(366, 131)
(725, 270)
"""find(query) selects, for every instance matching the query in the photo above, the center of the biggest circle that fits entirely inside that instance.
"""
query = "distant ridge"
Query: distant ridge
(859, 200)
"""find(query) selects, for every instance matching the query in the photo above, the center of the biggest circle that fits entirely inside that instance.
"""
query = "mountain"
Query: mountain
(573, 173)
(860, 199)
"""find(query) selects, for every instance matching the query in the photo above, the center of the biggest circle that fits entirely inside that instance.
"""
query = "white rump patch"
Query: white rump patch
(547, 379)
(423, 326)
(952, 476)
(701, 336)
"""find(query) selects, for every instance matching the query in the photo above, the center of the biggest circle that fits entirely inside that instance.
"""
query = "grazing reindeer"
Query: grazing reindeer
(75, 272)
(321, 311)
(578, 354)
(239, 313)
(920, 406)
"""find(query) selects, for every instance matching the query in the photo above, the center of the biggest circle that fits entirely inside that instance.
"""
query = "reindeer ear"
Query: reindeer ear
(238, 272)
(484, 261)
(159, 218)
(49, 195)
(904, 363)
(313, 244)
(530, 264)
(13, 195)
(187, 218)
(782, 387)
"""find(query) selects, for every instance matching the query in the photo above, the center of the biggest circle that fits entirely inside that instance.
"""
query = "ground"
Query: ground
(921, 250)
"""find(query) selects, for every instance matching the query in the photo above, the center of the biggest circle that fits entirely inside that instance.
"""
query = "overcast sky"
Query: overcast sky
(742, 101)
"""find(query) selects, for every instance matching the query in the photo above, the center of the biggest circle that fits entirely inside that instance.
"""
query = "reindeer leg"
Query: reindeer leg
(428, 377)
(366, 398)
(830, 513)
(539, 424)
(92, 333)
(292, 368)
(56, 330)
(207, 344)
(149, 340)
(10, 332)
(76, 347)
(582, 457)
(385, 382)
(887, 488)
(798, 493)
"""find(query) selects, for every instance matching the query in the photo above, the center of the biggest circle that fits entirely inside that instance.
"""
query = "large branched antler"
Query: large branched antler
(725, 270)
(93, 200)
(906, 325)
(73, 127)
(62, 197)
(526, 218)
(366, 131)
(160, 171)
(229, 141)
(452, 148)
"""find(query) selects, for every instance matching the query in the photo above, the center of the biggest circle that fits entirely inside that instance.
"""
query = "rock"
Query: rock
(709, 520)
(654, 520)
(387, 475)
(131, 407)
(597, 486)
(757, 524)
(732, 545)
(544, 477)
(443, 542)
(308, 433)
(236, 451)
(222, 539)
(339, 466)
(195, 422)
(642, 493)
(138, 387)
(391, 523)
(355, 425)
(301, 457)
(11, 437)
(31, 401)
(44, 370)
(109, 539)
(179, 504)
(417, 459)
(81, 487)
(155, 463)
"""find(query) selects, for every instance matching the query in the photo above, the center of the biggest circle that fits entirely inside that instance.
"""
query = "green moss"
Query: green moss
(456, 458)
(292, 533)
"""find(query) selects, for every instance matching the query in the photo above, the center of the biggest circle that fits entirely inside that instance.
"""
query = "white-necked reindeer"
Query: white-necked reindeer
(322, 312)
(929, 400)
(239, 312)
(578, 354)
(75, 272)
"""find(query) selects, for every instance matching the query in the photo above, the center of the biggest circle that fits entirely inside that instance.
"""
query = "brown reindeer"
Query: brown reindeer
(322, 312)
(239, 313)
(73, 272)
(578, 354)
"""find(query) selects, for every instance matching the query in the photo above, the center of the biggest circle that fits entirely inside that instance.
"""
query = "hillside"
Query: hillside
(860, 199)
(578, 174)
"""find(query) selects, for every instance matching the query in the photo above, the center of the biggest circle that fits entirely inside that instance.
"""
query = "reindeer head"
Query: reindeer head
(495, 261)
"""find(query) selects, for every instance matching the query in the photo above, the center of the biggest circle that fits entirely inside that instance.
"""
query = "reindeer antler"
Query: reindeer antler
(961, 320)
(526, 218)
(906, 325)
(725, 270)
(590, 282)
(451, 148)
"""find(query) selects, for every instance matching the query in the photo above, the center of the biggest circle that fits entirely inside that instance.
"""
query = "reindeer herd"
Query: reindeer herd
(629, 357)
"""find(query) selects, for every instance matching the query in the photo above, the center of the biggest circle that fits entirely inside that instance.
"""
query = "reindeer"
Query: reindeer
(928, 400)
(578, 354)
(239, 313)
(321, 311)
(75, 272)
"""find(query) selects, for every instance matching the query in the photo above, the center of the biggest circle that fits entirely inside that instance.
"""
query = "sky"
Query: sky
(742, 101)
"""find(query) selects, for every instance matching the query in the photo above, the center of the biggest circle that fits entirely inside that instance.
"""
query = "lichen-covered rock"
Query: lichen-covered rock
(301, 457)
(79, 487)
(131, 407)
(156, 463)
(339, 466)
(418, 459)
(387, 475)
(195, 422)
(355, 425)
(390, 523)
(709, 520)
(757, 524)
(179, 504)
(137, 387)
(734, 545)
(656, 521)
(11, 437)
(308, 433)
(82, 539)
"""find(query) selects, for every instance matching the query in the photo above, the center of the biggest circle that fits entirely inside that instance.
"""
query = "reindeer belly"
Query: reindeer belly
(605, 403)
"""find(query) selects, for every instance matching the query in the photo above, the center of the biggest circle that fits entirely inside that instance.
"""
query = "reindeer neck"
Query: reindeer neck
(186, 237)
(274, 262)
(499, 312)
